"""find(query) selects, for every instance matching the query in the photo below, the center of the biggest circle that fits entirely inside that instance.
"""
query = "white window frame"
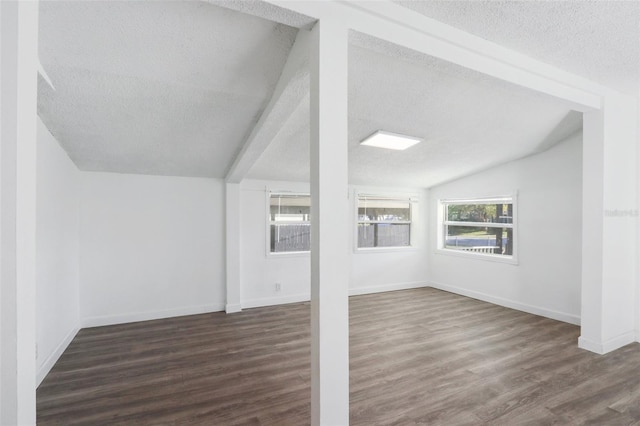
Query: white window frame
(269, 222)
(442, 225)
(413, 229)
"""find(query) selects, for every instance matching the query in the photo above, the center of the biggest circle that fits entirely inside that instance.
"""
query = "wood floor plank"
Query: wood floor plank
(417, 357)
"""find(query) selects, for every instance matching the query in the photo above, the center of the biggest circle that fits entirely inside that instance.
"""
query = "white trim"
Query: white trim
(536, 310)
(267, 242)
(387, 287)
(510, 260)
(607, 346)
(590, 345)
(305, 297)
(479, 224)
(412, 198)
(51, 360)
(146, 316)
(233, 308)
(272, 301)
(394, 249)
(441, 224)
(279, 254)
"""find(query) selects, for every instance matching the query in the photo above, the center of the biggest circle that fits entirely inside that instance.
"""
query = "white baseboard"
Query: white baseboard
(607, 346)
(278, 300)
(387, 287)
(146, 316)
(51, 360)
(305, 297)
(232, 308)
(536, 310)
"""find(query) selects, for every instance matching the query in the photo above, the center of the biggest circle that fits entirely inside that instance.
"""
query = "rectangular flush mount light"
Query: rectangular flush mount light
(382, 139)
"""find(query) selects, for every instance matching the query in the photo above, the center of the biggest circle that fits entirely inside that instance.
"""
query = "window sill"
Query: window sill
(369, 250)
(286, 254)
(510, 260)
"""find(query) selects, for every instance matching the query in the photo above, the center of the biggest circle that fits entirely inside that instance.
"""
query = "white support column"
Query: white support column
(330, 235)
(18, 89)
(232, 218)
(609, 226)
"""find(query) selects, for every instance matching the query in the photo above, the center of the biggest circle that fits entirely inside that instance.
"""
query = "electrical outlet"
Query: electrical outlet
(278, 286)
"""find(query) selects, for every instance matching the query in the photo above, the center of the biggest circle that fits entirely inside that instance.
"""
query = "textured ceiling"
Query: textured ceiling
(175, 88)
(598, 39)
(469, 121)
(166, 88)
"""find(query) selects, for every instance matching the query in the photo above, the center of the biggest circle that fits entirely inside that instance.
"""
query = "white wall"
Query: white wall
(370, 271)
(57, 203)
(547, 278)
(150, 247)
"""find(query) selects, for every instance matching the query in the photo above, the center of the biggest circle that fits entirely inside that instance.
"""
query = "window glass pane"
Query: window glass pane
(480, 239)
(290, 237)
(289, 208)
(372, 209)
(490, 213)
(384, 235)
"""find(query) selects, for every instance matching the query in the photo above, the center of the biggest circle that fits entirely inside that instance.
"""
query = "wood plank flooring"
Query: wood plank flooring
(418, 357)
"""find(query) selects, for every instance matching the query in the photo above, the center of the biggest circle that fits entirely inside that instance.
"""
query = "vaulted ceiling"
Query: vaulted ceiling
(176, 88)
(166, 88)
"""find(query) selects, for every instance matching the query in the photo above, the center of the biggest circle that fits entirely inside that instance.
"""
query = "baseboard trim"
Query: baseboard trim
(305, 297)
(387, 287)
(232, 308)
(51, 360)
(536, 310)
(272, 301)
(100, 321)
(607, 346)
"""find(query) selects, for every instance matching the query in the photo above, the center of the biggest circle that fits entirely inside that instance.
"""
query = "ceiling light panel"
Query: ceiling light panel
(388, 140)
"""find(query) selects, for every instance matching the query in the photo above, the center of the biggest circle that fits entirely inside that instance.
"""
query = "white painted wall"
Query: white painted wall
(57, 222)
(370, 271)
(150, 247)
(547, 279)
(259, 272)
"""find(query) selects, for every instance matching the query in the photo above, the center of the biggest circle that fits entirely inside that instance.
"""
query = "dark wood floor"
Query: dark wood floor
(418, 357)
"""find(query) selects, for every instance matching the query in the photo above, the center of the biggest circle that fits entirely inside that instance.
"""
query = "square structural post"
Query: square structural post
(330, 236)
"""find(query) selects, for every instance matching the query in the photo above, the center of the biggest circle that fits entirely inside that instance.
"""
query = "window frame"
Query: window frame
(413, 212)
(442, 225)
(269, 222)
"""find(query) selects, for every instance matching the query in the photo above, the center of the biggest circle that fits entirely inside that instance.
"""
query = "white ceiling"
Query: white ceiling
(597, 39)
(166, 88)
(469, 121)
(175, 88)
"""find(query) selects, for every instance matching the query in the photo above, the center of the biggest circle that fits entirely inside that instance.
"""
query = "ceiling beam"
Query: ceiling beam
(268, 11)
(402, 26)
(291, 90)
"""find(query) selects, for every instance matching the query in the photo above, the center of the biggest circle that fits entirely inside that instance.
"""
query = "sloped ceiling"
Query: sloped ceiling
(165, 88)
(597, 39)
(175, 88)
(469, 121)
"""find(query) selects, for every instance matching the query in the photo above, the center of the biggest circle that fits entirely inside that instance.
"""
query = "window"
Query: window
(383, 221)
(483, 227)
(289, 223)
